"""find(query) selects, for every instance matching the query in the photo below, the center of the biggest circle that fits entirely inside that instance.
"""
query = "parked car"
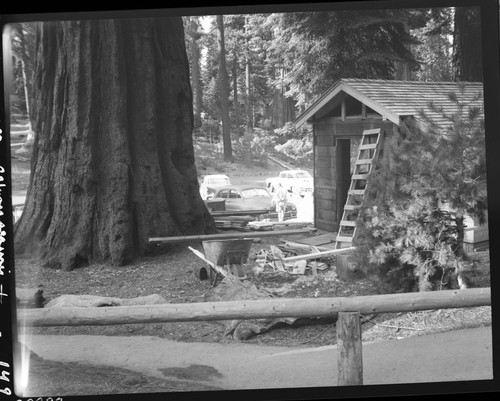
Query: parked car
(211, 183)
(295, 181)
(250, 198)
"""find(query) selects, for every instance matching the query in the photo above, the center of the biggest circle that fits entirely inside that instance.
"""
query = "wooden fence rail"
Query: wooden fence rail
(348, 311)
(254, 309)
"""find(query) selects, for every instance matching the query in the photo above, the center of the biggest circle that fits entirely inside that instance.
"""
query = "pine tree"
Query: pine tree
(414, 233)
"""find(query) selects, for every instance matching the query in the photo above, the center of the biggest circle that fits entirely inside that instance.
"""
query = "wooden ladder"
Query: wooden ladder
(368, 152)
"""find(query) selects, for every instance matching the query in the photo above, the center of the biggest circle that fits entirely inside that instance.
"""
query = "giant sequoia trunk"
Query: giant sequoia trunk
(282, 109)
(467, 44)
(113, 160)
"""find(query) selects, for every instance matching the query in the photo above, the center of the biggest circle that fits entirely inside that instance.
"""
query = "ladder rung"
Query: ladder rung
(372, 131)
(356, 192)
(343, 239)
(348, 223)
(368, 146)
(360, 176)
(350, 207)
(364, 161)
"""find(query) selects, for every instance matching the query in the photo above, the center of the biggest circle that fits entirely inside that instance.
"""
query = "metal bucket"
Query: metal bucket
(218, 251)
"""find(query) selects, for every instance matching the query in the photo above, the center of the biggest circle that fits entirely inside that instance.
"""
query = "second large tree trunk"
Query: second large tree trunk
(224, 92)
(113, 160)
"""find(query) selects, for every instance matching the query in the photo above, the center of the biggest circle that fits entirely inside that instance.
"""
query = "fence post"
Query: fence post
(350, 361)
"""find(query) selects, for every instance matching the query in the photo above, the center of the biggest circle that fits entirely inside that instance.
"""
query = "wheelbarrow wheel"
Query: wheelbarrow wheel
(203, 273)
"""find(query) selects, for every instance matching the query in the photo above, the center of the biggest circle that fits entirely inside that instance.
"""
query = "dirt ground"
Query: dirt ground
(175, 277)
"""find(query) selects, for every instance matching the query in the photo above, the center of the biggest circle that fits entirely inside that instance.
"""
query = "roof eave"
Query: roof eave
(316, 106)
(334, 91)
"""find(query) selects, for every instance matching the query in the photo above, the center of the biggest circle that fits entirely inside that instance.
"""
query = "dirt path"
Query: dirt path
(451, 356)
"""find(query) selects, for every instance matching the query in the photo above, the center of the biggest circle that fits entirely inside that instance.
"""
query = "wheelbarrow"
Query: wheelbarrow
(225, 257)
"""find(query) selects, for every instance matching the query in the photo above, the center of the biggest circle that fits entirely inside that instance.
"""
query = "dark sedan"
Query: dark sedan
(250, 198)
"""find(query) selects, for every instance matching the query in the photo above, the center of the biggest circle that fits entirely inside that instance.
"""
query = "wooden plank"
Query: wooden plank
(327, 173)
(187, 238)
(291, 223)
(299, 245)
(315, 240)
(322, 242)
(327, 157)
(356, 192)
(324, 140)
(217, 213)
(325, 151)
(324, 203)
(348, 223)
(326, 214)
(364, 161)
(325, 225)
(317, 255)
(324, 183)
(213, 265)
(341, 238)
(258, 309)
(367, 146)
(324, 162)
(355, 127)
(324, 195)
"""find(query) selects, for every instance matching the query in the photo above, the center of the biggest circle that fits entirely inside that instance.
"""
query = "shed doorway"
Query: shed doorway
(347, 152)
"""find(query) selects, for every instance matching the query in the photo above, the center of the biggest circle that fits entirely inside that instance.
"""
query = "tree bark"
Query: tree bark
(224, 92)
(113, 159)
(195, 73)
(249, 100)
(282, 109)
(467, 44)
(25, 62)
(349, 348)
(235, 93)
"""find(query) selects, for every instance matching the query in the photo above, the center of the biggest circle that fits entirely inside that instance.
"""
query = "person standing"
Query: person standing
(281, 200)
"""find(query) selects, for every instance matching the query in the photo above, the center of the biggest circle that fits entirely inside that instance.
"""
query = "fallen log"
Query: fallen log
(258, 309)
(96, 301)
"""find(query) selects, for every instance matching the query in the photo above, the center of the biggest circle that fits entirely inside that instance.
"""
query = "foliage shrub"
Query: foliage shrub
(411, 228)
(294, 145)
(411, 245)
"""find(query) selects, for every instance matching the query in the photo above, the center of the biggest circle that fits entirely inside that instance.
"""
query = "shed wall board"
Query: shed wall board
(350, 127)
(325, 177)
(324, 203)
(326, 225)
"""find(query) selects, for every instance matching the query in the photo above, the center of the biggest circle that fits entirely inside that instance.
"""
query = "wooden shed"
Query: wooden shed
(351, 106)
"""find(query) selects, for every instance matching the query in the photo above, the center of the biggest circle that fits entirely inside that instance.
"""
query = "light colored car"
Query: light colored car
(296, 181)
(211, 183)
(251, 198)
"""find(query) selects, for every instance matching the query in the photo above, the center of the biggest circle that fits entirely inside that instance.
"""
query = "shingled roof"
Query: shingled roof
(394, 99)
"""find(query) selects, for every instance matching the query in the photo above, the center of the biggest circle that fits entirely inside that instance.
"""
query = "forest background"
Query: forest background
(253, 74)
